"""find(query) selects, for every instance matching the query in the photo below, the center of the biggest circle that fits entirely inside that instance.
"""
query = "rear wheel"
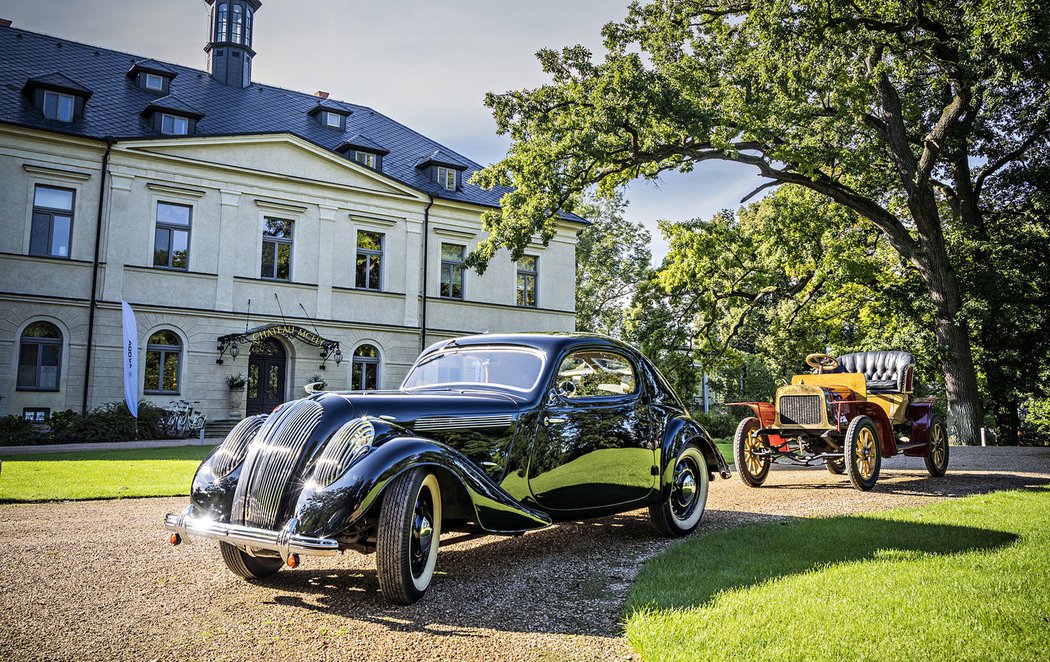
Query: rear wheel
(937, 460)
(407, 539)
(681, 512)
(245, 565)
(752, 468)
(836, 466)
(863, 459)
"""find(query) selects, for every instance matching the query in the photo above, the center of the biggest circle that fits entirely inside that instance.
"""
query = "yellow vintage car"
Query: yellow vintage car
(848, 414)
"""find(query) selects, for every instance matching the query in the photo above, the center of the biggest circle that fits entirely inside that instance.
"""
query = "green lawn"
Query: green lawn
(726, 447)
(962, 580)
(141, 472)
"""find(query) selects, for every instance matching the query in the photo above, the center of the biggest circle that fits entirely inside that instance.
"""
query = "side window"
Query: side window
(171, 247)
(596, 374)
(52, 221)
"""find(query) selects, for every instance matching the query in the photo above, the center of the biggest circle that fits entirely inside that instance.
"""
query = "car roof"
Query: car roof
(549, 343)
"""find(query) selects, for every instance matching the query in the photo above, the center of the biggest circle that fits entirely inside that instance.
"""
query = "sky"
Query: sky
(423, 63)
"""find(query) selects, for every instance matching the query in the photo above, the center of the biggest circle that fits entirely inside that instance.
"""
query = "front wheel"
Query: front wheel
(937, 460)
(680, 514)
(245, 565)
(863, 457)
(407, 539)
(752, 468)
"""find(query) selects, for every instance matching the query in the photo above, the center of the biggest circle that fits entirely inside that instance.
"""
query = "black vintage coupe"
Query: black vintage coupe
(494, 434)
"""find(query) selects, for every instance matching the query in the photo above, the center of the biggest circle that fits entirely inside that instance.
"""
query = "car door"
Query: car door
(593, 445)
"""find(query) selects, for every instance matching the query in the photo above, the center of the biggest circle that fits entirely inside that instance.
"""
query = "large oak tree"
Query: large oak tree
(895, 109)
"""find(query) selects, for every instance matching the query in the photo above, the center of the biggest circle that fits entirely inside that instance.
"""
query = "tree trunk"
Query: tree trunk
(950, 328)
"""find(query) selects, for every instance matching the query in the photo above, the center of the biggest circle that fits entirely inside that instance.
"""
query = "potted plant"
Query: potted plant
(236, 384)
(317, 382)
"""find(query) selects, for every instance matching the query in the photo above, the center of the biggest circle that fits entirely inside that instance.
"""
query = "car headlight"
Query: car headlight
(340, 450)
(230, 453)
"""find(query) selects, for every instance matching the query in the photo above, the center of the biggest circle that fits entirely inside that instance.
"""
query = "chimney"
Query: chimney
(5, 22)
(322, 94)
(230, 46)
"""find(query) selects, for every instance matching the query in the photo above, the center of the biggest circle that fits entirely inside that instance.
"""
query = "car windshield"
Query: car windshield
(514, 368)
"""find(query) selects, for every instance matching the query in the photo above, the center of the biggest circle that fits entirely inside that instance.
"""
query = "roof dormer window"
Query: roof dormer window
(174, 125)
(153, 82)
(446, 177)
(152, 75)
(366, 159)
(58, 97)
(172, 117)
(334, 120)
(58, 106)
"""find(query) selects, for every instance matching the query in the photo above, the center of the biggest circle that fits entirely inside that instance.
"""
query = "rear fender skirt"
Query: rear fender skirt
(921, 415)
(882, 423)
(679, 432)
(328, 511)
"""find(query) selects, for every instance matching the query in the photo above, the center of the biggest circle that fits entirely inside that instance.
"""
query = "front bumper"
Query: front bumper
(285, 542)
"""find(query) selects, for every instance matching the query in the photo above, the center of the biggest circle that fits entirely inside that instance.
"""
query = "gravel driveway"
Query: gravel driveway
(96, 580)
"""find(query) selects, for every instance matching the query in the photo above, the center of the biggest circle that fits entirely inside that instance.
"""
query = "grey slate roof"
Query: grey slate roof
(176, 105)
(153, 67)
(116, 106)
(364, 143)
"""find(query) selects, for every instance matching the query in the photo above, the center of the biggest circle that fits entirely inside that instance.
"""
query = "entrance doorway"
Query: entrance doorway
(266, 371)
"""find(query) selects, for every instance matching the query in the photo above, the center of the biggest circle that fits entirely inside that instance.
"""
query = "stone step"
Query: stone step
(220, 428)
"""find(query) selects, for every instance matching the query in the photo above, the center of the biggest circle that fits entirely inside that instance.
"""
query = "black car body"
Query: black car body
(493, 433)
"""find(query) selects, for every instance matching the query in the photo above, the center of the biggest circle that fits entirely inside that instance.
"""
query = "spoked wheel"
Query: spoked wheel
(681, 512)
(407, 539)
(245, 565)
(752, 468)
(836, 466)
(863, 457)
(937, 460)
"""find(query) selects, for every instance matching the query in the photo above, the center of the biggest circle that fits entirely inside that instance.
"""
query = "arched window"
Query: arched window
(163, 359)
(364, 373)
(238, 24)
(222, 23)
(39, 357)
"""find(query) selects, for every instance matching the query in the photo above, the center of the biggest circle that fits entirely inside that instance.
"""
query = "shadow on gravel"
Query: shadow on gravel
(567, 579)
(919, 483)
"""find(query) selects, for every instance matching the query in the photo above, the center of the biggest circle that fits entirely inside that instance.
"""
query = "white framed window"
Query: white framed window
(163, 361)
(446, 177)
(171, 243)
(369, 268)
(528, 274)
(364, 369)
(174, 125)
(277, 249)
(52, 224)
(452, 284)
(58, 106)
(153, 82)
(334, 120)
(366, 159)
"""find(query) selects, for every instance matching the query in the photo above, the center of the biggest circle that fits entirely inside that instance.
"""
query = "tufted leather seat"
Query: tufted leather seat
(885, 372)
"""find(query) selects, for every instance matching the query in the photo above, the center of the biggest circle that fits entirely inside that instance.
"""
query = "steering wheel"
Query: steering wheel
(822, 362)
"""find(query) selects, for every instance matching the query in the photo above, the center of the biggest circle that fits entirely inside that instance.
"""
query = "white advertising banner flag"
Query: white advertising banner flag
(131, 359)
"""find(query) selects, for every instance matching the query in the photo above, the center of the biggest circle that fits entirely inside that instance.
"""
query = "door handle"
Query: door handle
(550, 420)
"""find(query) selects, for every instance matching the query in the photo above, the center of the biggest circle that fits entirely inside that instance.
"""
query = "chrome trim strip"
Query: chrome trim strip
(285, 542)
(456, 422)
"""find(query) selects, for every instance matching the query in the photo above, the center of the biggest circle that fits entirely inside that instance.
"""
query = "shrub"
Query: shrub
(15, 430)
(719, 424)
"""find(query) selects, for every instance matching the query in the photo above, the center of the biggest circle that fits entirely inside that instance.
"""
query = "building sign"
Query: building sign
(328, 347)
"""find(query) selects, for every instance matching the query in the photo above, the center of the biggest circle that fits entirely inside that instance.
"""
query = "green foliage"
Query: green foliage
(883, 107)
(144, 472)
(109, 422)
(612, 258)
(236, 382)
(16, 430)
(719, 424)
(978, 566)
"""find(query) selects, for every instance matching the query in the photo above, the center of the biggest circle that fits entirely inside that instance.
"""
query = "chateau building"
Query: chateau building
(255, 231)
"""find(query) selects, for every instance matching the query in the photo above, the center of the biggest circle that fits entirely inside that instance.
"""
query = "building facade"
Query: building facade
(277, 236)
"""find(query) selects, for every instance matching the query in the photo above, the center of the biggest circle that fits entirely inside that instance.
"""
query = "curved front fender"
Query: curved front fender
(679, 432)
(329, 511)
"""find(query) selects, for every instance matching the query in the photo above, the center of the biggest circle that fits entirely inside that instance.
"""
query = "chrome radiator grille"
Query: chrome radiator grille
(272, 460)
(800, 409)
